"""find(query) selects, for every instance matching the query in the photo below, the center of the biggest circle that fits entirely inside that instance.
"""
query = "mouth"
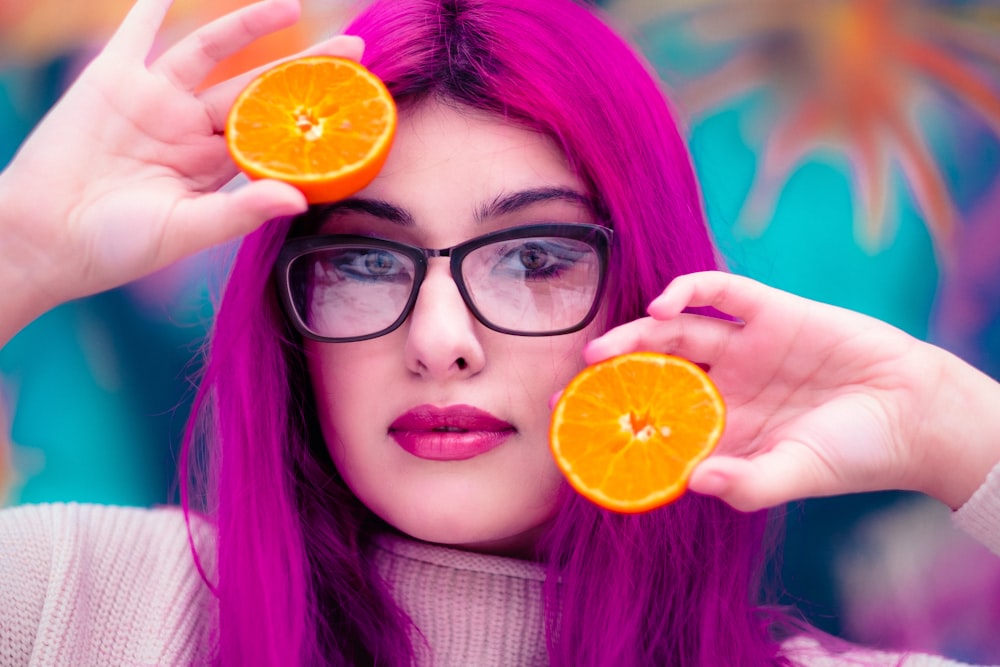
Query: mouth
(451, 433)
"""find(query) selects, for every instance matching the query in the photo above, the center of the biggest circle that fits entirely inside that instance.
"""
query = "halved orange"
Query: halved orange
(321, 123)
(628, 431)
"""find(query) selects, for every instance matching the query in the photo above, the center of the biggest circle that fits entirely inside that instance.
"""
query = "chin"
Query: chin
(472, 531)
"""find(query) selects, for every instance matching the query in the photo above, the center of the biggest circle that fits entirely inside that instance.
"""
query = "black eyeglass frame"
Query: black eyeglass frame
(597, 236)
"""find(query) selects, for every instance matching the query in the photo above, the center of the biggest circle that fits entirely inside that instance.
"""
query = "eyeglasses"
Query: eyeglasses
(533, 280)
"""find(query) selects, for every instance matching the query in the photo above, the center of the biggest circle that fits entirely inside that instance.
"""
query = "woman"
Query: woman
(340, 525)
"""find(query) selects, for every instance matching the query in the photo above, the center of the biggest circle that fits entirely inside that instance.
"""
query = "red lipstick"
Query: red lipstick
(451, 433)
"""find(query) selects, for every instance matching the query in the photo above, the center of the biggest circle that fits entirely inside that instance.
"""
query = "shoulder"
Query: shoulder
(79, 580)
(62, 539)
(807, 651)
(85, 520)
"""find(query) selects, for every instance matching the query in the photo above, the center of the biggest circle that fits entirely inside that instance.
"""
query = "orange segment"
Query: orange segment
(628, 431)
(321, 123)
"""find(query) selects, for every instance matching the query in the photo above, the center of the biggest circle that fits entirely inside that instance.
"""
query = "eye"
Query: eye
(533, 257)
(380, 263)
(368, 264)
(538, 259)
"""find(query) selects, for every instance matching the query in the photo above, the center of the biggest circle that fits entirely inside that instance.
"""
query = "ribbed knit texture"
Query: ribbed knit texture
(806, 652)
(96, 585)
(93, 585)
(471, 609)
(980, 515)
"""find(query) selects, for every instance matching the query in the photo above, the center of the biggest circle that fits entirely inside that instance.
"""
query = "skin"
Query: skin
(500, 500)
(821, 401)
(104, 159)
(122, 179)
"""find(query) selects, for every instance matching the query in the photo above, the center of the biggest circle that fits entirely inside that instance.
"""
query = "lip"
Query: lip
(451, 433)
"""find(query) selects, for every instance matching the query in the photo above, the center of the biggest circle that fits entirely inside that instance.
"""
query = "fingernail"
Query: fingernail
(711, 483)
(354, 42)
(655, 305)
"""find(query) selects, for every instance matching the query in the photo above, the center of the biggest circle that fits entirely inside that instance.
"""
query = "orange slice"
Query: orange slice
(628, 431)
(321, 123)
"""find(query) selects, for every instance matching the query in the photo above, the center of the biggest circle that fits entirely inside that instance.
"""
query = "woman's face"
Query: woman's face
(452, 175)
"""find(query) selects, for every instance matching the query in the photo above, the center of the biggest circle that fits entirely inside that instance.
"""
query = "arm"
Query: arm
(122, 176)
(822, 401)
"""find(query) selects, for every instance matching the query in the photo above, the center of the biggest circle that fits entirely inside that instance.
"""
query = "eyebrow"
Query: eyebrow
(502, 205)
(376, 208)
(515, 201)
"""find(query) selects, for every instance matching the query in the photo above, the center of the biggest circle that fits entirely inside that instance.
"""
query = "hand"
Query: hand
(122, 177)
(820, 400)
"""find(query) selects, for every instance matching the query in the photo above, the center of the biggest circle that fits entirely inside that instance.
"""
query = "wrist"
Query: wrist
(961, 434)
(24, 296)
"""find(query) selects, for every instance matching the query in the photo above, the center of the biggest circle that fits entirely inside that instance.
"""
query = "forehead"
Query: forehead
(450, 161)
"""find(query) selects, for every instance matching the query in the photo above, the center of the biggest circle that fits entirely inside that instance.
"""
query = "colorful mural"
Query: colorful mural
(898, 100)
(854, 76)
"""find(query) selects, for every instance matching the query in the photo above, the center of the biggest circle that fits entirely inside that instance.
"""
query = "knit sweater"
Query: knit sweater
(100, 585)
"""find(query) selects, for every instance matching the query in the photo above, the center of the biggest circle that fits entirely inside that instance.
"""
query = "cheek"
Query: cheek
(533, 370)
(343, 408)
(334, 372)
(553, 361)
(323, 384)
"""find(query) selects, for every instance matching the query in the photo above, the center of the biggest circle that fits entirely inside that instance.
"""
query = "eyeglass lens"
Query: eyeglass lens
(530, 285)
(533, 285)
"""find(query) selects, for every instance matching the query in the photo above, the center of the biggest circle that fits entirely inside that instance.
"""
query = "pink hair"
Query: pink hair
(678, 586)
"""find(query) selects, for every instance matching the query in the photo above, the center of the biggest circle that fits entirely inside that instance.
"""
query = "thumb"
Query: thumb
(773, 478)
(229, 214)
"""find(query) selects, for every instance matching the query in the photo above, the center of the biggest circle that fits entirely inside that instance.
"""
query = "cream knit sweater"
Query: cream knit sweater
(97, 585)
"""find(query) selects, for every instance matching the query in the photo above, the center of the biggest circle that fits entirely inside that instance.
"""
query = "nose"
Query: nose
(442, 341)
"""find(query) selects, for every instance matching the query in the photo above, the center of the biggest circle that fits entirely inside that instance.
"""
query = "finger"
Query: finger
(767, 480)
(734, 295)
(226, 215)
(345, 46)
(700, 338)
(134, 37)
(188, 62)
(219, 98)
(554, 399)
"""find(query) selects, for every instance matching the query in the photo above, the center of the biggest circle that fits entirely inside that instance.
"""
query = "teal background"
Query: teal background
(810, 245)
(98, 388)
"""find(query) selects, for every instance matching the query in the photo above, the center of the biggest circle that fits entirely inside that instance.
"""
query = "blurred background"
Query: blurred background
(848, 152)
